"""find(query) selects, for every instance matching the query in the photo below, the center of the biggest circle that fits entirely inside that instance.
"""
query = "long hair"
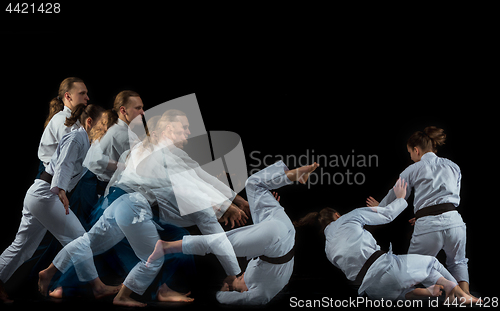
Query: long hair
(82, 112)
(428, 139)
(322, 219)
(108, 119)
(57, 104)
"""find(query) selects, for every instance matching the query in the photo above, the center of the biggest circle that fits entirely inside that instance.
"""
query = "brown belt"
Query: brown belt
(369, 262)
(46, 177)
(435, 210)
(279, 260)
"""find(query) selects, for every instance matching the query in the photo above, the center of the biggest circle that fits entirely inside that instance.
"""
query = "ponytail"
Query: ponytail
(82, 112)
(428, 139)
(322, 219)
(57, 104)
(308, 220)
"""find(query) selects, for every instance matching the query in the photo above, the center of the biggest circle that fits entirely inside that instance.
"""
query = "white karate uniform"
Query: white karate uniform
(272, 235)
(108, 151)
(147, 179)
(53, 133)
(435, 181)
(43, 210)
(349, 245)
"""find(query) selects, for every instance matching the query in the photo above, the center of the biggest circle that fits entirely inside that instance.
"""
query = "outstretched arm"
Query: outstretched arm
(379, 215)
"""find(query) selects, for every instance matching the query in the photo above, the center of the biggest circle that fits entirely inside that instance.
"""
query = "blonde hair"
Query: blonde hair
(108, 119)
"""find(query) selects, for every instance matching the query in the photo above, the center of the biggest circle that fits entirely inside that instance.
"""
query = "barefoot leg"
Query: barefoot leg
(158, 251)
(44, 278)
(123, 298)
(165, 293)
(100, 290)
(301, 174)
(458, 292)
(164, 247)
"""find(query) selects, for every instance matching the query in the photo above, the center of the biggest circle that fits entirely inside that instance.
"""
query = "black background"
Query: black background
(284, 91)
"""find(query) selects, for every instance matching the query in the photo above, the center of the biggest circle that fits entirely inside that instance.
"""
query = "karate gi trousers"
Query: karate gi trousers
(42, 211)
(129, 216)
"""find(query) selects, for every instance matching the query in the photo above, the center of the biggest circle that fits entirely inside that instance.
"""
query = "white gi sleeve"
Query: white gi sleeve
(407, 176)
(380, 215)
(64, 166)
(52, 135)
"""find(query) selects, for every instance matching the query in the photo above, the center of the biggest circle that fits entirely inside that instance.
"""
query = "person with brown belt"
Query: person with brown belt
(46, 206)
(436, 182)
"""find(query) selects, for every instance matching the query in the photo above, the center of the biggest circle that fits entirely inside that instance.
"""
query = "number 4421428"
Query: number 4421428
(26, 8)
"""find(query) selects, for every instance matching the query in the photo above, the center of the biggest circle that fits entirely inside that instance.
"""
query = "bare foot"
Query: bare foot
(158, 252)
(104, 291)
(301, 174)
(44, 278)
(164, 247)
(167, 294)
(123, 298)
(127, 302)
(458, 293)
(465, 287)
(57, 293)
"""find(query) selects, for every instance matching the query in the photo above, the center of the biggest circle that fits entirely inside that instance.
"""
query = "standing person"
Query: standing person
(351, 248)
(437, 223)
(46, 206)
(101, 161)
(269, 242)
(103, 155)
(72, 92)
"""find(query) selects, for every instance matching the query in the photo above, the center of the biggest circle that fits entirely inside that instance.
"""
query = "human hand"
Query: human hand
(234, 215)
(242, 204)
(412, 221)
(400, 188)
(64, 200)
(276, 196)
(371, 202)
